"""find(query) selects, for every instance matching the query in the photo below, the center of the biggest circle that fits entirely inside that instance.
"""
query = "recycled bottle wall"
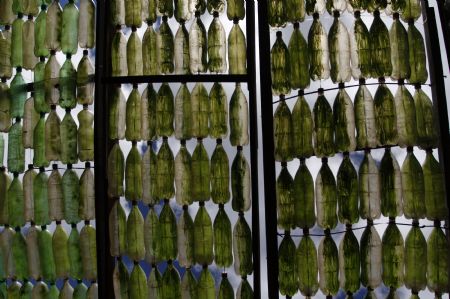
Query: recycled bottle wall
(179, 164)
(47, 205)
(358, 150)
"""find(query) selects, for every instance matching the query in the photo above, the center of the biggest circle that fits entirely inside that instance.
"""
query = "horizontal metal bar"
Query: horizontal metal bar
(176, 78)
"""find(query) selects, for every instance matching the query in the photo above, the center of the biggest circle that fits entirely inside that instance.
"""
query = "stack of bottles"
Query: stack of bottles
(169, 184)
(39, 259)
(374, 189)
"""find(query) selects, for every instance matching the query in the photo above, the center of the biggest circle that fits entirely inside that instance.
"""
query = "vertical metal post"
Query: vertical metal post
(438, 93)
(251, 71)
(105, 263)
(268, 151)
(444, 25)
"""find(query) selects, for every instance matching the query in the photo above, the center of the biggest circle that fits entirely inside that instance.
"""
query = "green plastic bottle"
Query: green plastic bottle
(299, 58)
(344, 122)
(69, 31)
(417, 55)
(218, 116)
(223, 255)
(149, 51)
(347, 192)
(133, 116)
(203, 237)
(360, 50)
(393, 256)
(283, 133)
(68, 85)
(164, 111)
(16, 151)
(183, 113)
(237, 50)
(239, 122)
(71, 195)
(133, 174)
(413, 187)
(277, 13)
(17, 42)
(287, 277)
(436, 208)
(242, 247)
(326, 197)
(390, 186)
(166, 243)
(165, 171)
(385, 116)
(18, 95)
(86, 25)
(380, 48)
(406, 117)
(303, 195)
(186, 244)
(280, 66)
(217, 46)
(51, 80)
(200, 111)
(200, 173)
(53, 136)
(181, 50)
(40, 29)
(5, 53)
(134, 54)
(165, 47)
(85, 86)
(319, 55)
(220, 175)
(399, 46)
(39, 159)
(198, 49)
(5, 105)
(328, 262)
(85, 135)
(323, 136)
(366, 134)
(119, 54)
(53, 33)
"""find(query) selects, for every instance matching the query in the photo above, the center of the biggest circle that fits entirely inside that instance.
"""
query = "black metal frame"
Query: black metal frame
(439, 102)
(104, 81)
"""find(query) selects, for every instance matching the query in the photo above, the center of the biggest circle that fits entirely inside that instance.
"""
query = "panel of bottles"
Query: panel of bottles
(360, 192)
(47, 209)
(179, 175)
(178, 37)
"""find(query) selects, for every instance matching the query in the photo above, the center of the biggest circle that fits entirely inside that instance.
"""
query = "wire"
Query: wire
(359, 228)
(345, 87)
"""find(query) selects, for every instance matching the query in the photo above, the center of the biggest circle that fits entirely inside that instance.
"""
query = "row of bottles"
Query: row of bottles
(40, 255)
(41, 199)
(154, 178)
(412, 190)
(50, 139)
(187, 115)
(344, 54)
(158, 176)
(367, 122)
(51, 291)
(294, 11)
(414, 261)
(55, 29)
(190, 242)
(193, 52)
(170, 285)
(133, 13)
